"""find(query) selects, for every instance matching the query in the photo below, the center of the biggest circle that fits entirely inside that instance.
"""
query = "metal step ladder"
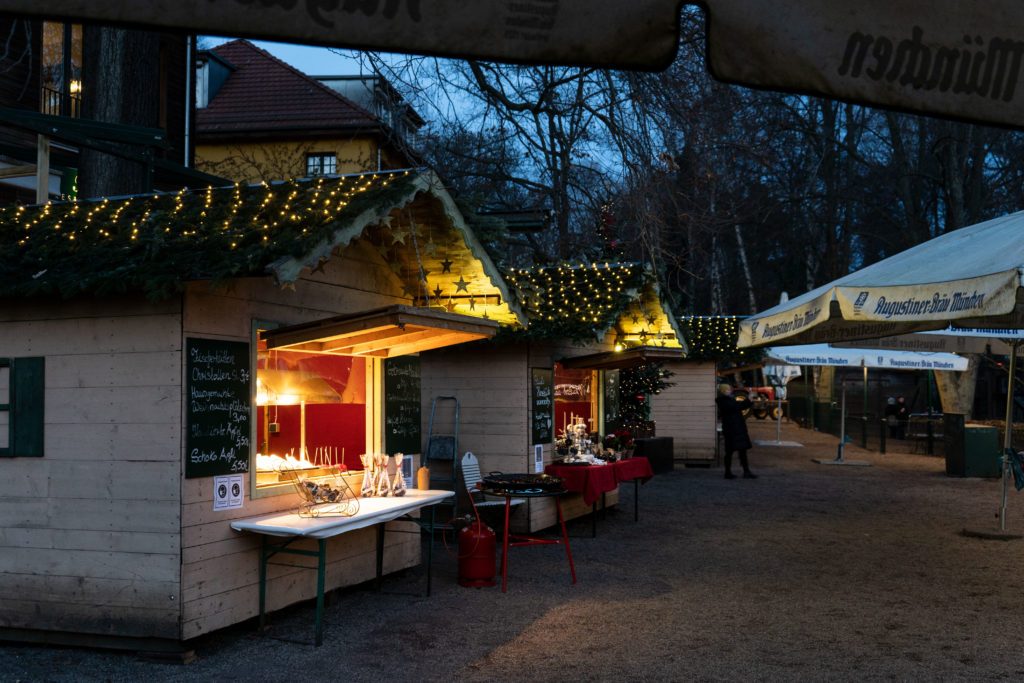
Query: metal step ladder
(441, 455)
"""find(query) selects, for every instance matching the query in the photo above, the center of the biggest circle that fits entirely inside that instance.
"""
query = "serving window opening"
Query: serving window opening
(575, 398)
(312, 411)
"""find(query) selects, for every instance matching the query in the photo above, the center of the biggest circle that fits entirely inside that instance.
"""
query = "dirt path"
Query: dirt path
(809, 572)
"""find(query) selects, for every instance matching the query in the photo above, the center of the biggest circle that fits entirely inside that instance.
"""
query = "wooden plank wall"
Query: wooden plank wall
(686, 411)
(219, 566)
(492, 383)
(89, 533)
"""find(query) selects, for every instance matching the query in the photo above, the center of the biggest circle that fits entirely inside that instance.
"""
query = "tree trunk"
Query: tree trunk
(121, 84)
(956, 389)
(746, 270)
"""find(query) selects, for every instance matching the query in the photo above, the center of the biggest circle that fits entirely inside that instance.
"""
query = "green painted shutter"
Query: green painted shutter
(27, 376)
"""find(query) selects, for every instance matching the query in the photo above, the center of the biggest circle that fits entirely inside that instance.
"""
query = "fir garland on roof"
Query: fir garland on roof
(577, 302)
(155, 243)
(714, 337)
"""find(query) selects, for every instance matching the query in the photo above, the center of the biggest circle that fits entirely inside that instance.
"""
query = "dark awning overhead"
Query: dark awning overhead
(614, 360)
(381, 333)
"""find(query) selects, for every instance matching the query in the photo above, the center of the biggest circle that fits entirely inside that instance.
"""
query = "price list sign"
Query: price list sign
(217, 415)
(542, 405)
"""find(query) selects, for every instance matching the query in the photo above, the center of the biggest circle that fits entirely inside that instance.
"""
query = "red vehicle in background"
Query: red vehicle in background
(748, 382)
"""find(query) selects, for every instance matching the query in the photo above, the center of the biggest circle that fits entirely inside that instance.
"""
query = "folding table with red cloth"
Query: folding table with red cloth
(593, 481)
(639, 471)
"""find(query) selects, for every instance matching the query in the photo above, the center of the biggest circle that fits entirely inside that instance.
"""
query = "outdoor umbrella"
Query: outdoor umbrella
(825, 355)
(971, 277)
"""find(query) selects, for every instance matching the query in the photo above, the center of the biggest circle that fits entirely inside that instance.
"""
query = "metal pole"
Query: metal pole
(1008, 432)
(778, 420)
(842, 426)
(864, 413)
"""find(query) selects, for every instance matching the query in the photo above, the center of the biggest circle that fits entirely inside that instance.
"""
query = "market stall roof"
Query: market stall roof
(156, 243)
(383, 333)
(587, 301)
(824, 354)
(971, 277)
(614, 360)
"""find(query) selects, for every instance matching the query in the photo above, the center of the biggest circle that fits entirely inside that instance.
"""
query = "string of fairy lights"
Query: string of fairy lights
(248, 213)
(579, 300)
(714, 337)
(157, 239)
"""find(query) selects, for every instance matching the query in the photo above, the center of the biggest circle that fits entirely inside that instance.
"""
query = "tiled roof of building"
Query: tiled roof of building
(264, 94)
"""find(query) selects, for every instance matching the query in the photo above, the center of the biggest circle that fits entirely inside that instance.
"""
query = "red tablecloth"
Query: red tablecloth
(593, 480)
(590, 480)
(633, 468)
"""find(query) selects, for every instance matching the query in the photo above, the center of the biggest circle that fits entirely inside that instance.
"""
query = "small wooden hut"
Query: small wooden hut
(136, 370)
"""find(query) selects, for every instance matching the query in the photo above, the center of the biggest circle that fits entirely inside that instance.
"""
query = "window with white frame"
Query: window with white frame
(321, 163)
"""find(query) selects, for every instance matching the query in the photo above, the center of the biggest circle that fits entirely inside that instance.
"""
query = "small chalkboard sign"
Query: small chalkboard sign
(542, 405)
(217, 402)
(402, 430)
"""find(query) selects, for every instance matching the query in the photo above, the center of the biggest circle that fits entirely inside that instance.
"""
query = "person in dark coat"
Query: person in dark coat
(891, 418)
(734, 429)
(902, 417)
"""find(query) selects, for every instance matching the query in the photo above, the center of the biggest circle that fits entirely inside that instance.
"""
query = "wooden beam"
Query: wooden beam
(435, 342)
(18, 171)
(42, 169)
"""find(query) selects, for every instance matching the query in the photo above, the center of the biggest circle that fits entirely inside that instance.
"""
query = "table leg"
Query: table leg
(263, 582)
(636, 500)
(504, 546)
(321, 571)
(380, 555)
(565, 539)
(430, 548)
(593, 519)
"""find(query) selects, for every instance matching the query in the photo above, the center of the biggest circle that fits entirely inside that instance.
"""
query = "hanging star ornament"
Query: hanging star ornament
(446, 265)
(472, 303)
(450, 307)
(399, 236)
(437, 292)
(636, 320)
(462, 285)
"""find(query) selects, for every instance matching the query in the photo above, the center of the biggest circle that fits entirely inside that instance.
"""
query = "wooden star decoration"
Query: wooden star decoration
(430, 248)
(636, 320)
(450, 307)
(399, 236)
(408, 290)
(446, 265)
(437, 292)
(319, 267)
(472, 303)
(462, 285)
(651, 320)
(423, 274)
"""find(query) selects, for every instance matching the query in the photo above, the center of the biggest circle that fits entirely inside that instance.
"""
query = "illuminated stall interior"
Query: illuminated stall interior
(320, 390)
(605, 303)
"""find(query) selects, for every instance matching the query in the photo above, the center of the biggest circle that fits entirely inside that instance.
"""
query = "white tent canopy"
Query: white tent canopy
(823, 354)
(971, 277)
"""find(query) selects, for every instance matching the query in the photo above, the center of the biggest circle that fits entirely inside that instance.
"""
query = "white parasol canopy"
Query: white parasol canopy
(971, 277)
(823, 354)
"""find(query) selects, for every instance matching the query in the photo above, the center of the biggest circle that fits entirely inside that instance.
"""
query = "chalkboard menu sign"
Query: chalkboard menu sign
(542, 405)
(217, 416)
(611, 400)
(402, 433)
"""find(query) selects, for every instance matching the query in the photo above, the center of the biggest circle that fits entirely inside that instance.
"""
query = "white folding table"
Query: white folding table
(372, 511)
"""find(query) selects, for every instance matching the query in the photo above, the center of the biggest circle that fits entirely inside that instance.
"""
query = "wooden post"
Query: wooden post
(42, 170)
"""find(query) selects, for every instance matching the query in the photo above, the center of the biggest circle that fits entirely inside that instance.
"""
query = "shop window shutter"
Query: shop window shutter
(27, 376)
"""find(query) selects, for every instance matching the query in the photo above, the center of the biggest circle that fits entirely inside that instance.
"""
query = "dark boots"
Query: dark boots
(747, 474)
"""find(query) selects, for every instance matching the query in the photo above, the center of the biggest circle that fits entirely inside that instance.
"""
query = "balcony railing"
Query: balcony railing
(60, 104)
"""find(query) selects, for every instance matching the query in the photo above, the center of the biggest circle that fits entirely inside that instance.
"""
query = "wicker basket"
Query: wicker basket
(325, 494)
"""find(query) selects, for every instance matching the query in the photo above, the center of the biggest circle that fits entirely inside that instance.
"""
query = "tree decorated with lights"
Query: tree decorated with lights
(636, 386)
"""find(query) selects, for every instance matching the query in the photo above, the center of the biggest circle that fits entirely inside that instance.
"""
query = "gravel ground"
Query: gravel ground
(809, 572)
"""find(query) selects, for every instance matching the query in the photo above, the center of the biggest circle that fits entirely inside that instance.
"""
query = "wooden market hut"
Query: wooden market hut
(586, 322)
(132, 330)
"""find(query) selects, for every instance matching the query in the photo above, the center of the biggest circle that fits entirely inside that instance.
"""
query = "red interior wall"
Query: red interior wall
(334, 425)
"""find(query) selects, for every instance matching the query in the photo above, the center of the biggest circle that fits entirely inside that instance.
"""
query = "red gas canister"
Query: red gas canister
(476, 555)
